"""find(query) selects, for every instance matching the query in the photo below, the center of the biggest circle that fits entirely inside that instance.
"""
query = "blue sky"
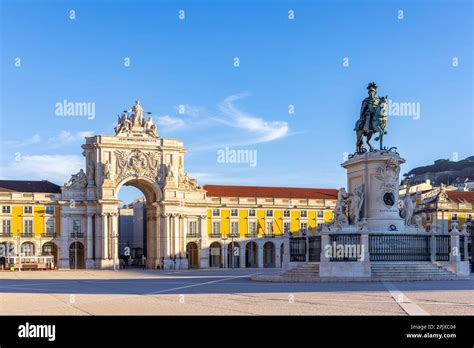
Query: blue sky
(191, 62)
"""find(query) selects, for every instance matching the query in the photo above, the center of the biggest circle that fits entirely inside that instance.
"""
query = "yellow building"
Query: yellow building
(30, 217)
(245, 223)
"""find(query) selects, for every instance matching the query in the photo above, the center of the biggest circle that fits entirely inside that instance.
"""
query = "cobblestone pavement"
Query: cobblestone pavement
(220, 292)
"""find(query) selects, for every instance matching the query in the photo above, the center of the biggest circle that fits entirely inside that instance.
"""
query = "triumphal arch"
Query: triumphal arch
(136, 155)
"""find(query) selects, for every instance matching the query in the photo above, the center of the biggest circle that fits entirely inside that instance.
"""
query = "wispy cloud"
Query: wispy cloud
(169, 124)
(36, 138)
(57, 168)
(263, 131)
(65, 138)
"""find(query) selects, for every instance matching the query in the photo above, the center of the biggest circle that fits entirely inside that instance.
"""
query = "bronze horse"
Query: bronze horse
(378, 125)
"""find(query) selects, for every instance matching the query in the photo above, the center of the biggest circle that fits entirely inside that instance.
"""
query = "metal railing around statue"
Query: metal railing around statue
(297, 249)
(350, 245)
(443, 246)
(314, 248)
(398, 247)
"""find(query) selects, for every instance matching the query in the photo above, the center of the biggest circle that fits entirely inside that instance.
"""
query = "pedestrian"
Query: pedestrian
(144, 261)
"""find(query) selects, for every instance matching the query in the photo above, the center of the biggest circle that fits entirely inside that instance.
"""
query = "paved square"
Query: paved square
(221, 292)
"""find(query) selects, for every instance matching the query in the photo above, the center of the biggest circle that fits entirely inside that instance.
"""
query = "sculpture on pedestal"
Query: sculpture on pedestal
(340, 210)
(373, 119)
(356, 200)
(77, 181)
(132, 122)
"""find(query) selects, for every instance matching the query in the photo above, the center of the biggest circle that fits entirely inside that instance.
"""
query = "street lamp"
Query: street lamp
(19, 250)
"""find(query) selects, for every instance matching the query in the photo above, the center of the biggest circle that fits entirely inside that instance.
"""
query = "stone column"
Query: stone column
(105, 239)
(455, 252)
(115, 246)
(259, 255)
(98, 239)
(204, 252)
(225, 251)
(364, 258)
(154, 252)
(167, 241)
(89, 246)
(176, 235)
(433, 247)
(183, 232)
(63, 252)
(243, 247)
(286, 253)
(278, 255)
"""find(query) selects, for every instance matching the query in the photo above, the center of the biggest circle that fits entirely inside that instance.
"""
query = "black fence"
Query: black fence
(397, 247)
(345, 247)
(314, 248)
(443, 247)
(298, 249)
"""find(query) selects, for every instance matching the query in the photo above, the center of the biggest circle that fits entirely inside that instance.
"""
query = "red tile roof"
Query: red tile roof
(43, 186)
(269, 192)
(459, 196)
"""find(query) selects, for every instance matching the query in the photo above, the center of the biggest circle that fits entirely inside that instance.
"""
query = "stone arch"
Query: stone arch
(215, 254)
(76, 255)
(251, 254)
(192, 254)
(233, 261)
(28, 249)
(149, 188)
(269, 255)
(50, 248)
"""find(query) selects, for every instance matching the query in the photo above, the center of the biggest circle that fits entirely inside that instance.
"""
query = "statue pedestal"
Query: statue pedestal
(377, 174)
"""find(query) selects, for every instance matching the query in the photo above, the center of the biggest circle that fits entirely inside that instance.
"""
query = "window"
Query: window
(6, 209)
(28, 209)
(286, 213)
(269, 213)
(251, 212)
(216, 212)
(28, 227)
(216, 228)
(454, 217)
(303, 213)
(49, 209)
(320, 214)
(303, 227)
(286, 227)
(76, 228)
(234, 228)
(6, 226)
(252, 228)
(234, 212)
(269, 229)
(192, 228)
(50, 226)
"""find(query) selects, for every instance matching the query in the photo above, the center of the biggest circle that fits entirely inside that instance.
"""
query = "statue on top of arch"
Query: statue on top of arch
(133, 120)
